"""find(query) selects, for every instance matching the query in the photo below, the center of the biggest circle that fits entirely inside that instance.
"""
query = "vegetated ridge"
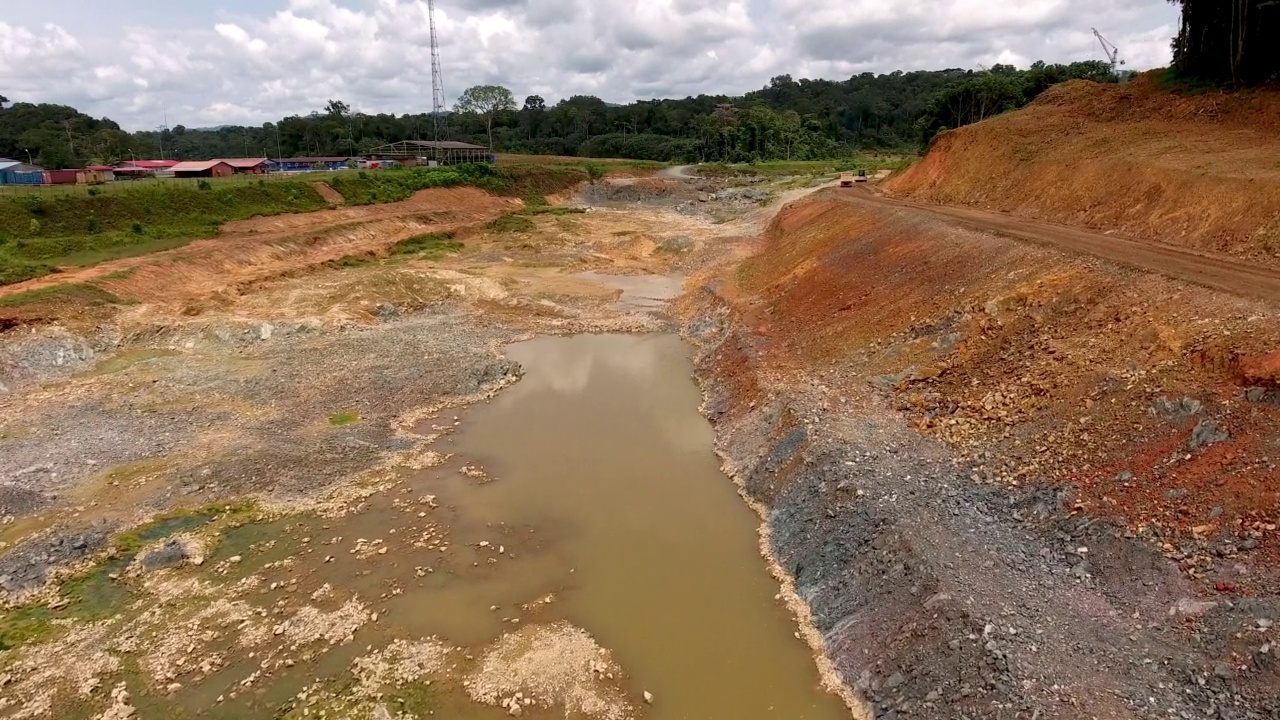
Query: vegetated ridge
(788, 119)
(40, 234)
(1198, 171)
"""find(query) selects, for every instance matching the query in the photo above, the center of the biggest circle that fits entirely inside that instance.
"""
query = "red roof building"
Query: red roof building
(251, 166)
(203, 168)
(150, 164)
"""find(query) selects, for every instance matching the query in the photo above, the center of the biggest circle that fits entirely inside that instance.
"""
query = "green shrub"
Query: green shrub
(511, 224)
(348, 417)
(33, 227)
(136, 228)
(431, 245)
(93, 226)
(204, 185)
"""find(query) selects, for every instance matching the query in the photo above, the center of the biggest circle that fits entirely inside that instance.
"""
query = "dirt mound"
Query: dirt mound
(1200, 171)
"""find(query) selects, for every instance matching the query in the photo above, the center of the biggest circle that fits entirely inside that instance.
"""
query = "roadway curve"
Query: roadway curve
(677, 172)
(1212, 270)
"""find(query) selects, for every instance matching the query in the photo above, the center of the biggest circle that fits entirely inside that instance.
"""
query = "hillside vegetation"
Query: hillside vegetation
(1199, 171)
(789, 119)
(38, 235)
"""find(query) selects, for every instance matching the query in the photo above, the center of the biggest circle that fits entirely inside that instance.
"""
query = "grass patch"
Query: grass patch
(1170, 80)
(128, 543)
(70, 292)
(429, 245)
(41, 232)
(340, 419)
(413, 699)
(96, 595)
(45, 232)
(124, 274)
(513, 223)
(351, 261)
(22, 626)
(556, 211)
(520, 221)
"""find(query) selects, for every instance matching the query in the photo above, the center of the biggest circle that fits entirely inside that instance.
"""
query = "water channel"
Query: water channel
(603, 507)
(601, 447)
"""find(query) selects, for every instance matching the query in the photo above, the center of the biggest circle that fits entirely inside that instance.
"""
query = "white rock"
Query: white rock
(1188, 607)
(648, 697)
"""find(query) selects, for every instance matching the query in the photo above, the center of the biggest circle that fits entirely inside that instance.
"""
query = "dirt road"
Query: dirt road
(677, 172)
(1211, 270)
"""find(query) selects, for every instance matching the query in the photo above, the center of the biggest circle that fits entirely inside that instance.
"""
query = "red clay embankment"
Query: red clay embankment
(999, 474)
(1198, 171)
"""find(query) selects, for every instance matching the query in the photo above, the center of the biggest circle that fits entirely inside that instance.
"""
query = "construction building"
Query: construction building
(13, 172)
(203, 169)
(305, 164)
(428, 152)
(247, 166)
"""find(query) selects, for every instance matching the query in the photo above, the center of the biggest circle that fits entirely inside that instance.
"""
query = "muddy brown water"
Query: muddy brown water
(640, 292)
(605, 495)
(601, 452)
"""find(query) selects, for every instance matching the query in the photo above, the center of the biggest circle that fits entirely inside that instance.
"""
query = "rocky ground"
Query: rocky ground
(176, 472)
(998, 482)
(917, 411)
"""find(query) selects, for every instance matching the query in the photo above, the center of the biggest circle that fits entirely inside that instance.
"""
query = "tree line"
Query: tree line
(786, 120)
(1229, 41)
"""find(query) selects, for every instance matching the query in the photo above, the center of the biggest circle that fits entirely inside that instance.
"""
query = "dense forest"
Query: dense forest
(1229, 41)
(788, 119)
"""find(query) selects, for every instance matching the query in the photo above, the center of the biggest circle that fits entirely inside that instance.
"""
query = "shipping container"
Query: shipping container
(60, 177)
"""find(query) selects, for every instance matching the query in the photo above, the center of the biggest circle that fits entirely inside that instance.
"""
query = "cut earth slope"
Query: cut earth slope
(1199, 171)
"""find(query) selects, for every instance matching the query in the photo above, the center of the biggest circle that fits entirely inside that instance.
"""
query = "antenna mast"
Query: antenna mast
(439, 124)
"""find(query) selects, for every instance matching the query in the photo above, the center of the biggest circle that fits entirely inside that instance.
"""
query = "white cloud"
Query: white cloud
(374, 54)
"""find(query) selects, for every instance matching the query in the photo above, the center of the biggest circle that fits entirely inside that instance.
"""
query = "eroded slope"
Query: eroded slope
(1199, 171)
(1072, 512)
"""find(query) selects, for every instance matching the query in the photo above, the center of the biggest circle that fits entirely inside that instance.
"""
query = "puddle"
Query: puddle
(601, 448)
(640, 292)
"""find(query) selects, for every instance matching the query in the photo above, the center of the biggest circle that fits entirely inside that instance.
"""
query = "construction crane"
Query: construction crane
(438, 121)
(1110, 50)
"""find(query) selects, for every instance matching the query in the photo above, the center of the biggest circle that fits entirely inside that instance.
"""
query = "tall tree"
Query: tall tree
(486, 101)
(1227, 40)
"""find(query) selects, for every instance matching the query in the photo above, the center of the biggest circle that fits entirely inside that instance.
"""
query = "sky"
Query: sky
(204, 64)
